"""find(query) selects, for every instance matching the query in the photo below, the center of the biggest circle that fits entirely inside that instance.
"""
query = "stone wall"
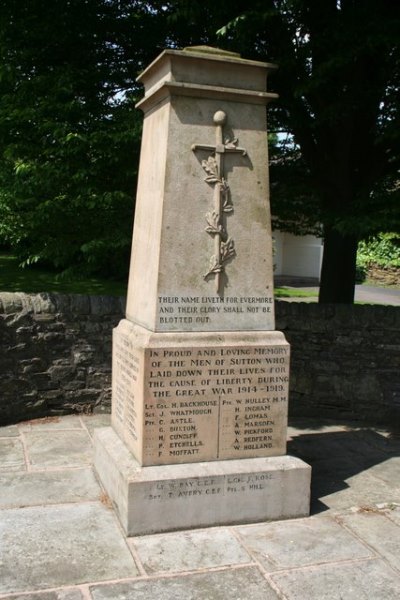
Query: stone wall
(345, 360)
(55, 357)
(55, 354)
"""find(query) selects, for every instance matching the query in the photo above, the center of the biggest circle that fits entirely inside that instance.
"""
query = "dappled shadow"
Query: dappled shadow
(295, 282)
(354, 467)
(34, 280)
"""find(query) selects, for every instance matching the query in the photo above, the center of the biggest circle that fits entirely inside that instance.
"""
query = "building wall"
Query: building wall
(297, 256)
(55, 357)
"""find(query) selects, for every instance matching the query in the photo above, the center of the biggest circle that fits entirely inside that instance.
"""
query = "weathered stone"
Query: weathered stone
(29, 533)
(44, 317)
(32, 365)
(61, 372)
(203, 494)
(42, 381)
(202, 397)
(238, 584)
(199, 374)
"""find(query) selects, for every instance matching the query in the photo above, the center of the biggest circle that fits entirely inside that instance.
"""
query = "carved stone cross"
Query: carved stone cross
(224, 246)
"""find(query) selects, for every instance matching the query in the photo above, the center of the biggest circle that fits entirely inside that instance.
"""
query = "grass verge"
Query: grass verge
(284, 292)
(35, 280)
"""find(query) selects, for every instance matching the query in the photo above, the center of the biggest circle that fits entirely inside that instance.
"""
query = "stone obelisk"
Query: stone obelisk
(200, 376)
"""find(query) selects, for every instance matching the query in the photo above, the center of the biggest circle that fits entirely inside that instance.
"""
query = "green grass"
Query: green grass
(35, 280)
(284, 292)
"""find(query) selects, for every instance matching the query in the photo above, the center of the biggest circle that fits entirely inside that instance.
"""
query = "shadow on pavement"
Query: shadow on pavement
(353, 462)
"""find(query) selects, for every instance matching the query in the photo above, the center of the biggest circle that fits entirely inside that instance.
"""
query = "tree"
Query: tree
(69, 137)
(69, 134)
(338, 81)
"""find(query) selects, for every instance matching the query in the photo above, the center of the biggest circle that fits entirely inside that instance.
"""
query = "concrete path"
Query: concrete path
(60, 539)
(367, 294)
(377, 295)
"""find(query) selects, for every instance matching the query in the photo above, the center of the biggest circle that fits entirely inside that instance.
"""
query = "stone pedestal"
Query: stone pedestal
(200, 377)
(192, 397)
(203, 494)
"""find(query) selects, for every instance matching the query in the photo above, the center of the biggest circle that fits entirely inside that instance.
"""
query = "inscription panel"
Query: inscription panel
(213, 403)
(127, 385)
(212, 486)
(214, 312)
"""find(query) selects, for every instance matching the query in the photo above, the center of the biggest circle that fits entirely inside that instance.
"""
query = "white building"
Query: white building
(297, 255)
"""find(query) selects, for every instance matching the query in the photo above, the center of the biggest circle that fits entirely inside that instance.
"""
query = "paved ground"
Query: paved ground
(377, 295)
(60, 539)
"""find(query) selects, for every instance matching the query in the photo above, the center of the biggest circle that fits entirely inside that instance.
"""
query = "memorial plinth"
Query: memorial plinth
(200, 376)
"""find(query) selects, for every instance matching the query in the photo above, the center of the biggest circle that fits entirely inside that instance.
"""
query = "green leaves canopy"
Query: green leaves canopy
(69, 133)
(69, 136)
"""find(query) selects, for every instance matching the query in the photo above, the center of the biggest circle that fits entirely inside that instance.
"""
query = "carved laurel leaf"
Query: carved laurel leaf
(227, 249)
(214, 267)
(224, 186)
(231, 144)
(214, 225)
(211, 168)
(227, 205)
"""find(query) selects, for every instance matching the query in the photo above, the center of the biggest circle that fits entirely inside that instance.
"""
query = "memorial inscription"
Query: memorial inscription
(126, 397)
(194, 310)
(202, 403)
(211, 486)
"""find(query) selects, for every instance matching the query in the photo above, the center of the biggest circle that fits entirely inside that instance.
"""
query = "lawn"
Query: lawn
(34, 280)
(285, 292)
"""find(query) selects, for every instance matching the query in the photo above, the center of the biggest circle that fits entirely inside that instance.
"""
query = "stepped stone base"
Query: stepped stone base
(171, 497)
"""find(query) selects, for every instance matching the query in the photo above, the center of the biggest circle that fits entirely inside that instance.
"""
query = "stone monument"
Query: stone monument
(200, 376)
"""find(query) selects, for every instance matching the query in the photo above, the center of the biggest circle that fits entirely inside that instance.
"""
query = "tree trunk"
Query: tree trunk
(338, 275)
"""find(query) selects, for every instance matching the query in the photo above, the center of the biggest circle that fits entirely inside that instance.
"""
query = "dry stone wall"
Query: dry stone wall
(55, 357)
(55, 354)
(345, 360)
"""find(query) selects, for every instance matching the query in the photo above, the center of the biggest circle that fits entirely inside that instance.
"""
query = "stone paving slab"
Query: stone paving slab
(366, 580)
(10, 431)
(65, 543)
(236, 584)
(69, 594)
(91, 422)
(362, 489)
(394, 514)
(188, 551)
(388, 471)
(301, 426)
(32, 489)
(58, 448)
(53, 546)
(52, 423)
(301, 542)
(378, 532)
(12, 456)
(384, 439)
(351, 444)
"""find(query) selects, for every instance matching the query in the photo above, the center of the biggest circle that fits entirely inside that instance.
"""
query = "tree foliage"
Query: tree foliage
(69, 136)
(339, 80)
(382, 250)
(339, 83)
